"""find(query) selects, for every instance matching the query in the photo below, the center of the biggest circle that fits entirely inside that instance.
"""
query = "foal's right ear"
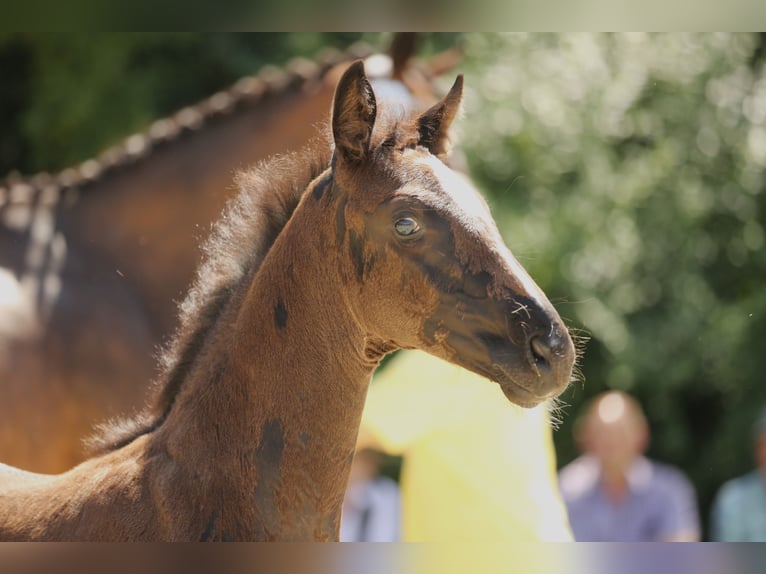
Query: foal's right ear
(353, 114)
(435, 122)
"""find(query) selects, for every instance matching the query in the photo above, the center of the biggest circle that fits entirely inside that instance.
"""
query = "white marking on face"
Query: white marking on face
(473, 212)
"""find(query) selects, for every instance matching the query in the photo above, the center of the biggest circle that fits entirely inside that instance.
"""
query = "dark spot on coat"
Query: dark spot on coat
(443, 271)
(207, 535)
(268, 460)
(321, 186)
(356, 244)
(340, 220)
(304, 437)
(370, 263)
(280, 314)
(441, 277)
(212, 532)
(476, 285)
(271, 446)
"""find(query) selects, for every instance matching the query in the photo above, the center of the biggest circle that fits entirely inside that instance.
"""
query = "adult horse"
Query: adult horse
(92, 260)
(328, 260)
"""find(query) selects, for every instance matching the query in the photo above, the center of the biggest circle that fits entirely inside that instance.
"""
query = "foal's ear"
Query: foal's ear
(435, 122)
(353, 114)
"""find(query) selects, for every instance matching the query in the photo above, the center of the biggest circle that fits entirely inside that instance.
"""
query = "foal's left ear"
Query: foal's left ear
(435, 122)
(353, 114)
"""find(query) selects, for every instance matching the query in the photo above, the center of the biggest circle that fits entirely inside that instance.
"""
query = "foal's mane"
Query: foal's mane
(239, 241)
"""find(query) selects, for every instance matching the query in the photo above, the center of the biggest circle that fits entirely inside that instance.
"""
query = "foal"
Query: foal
(327, 261)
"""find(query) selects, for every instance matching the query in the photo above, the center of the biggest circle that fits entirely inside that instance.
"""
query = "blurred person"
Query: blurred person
(475, 467)
(739, 508)
(372, 502)
(613, 492)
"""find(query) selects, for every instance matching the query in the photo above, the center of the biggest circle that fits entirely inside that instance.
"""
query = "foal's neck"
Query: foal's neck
(267, 423)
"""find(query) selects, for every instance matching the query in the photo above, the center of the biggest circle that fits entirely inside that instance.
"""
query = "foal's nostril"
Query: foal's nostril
(541, 351)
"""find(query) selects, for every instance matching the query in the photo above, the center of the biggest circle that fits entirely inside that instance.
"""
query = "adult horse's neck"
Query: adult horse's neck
(264, 429)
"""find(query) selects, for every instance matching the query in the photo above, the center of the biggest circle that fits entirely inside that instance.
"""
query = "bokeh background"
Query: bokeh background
(626, 172)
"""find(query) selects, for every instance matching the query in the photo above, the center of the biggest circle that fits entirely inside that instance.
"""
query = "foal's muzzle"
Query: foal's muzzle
(538, 365)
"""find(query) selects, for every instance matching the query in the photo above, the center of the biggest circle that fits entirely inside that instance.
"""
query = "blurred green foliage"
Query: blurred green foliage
(65, 97)
(626, 172)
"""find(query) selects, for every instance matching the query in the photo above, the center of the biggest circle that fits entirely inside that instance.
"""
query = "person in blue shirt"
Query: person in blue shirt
(739, 509)
(613, 492)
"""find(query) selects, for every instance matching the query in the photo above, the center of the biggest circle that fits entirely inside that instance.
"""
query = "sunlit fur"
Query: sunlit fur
(306, 287)
(95, 258)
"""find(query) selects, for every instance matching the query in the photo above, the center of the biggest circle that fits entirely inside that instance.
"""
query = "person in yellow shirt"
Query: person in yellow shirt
(475, 467)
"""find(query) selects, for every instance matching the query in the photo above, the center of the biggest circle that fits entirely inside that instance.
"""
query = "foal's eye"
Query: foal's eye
(406, 226)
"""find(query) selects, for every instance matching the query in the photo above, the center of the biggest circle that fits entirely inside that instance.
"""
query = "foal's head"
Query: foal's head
(423, 261)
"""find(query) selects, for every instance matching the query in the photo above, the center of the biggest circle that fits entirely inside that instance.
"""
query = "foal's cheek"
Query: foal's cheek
(398, 301)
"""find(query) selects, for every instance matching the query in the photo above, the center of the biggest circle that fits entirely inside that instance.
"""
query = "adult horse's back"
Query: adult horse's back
(92, 261)
(327, 260)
